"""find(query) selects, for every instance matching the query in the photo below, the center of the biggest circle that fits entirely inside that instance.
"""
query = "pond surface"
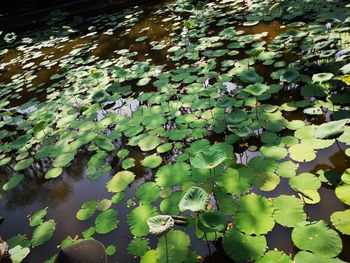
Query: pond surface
(77, 96)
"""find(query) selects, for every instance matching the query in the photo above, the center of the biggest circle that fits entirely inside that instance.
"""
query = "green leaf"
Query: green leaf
(289, 210)
(37, 218)
(137, 219)
(274, 256)
(195, 199)
(239, 246)
(18, 253)
(212, 221)
(173, 174)
(318, 238)
(13, 182)
(147, 192)
(305, 181)
(341, 221)
(254, 215)
(152, 161)
(208, 159)
(234, 181)
(87, 210)
(110, 250)
(23, 164)
(173, 248)
(138, 247)
(160, 224)
(120, 181)
(331, 129)
(343, 193)
(304, 256)
(106, 221)
(148, 143)
(53, 173)
(43, 233)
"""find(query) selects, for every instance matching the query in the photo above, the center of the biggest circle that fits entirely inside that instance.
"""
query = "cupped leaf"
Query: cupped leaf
(208, 159)
(195, 199)
(160, 224)
(212, 221)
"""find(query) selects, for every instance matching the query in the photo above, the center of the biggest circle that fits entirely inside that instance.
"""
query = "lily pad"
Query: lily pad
(239, 246)
(106, 221)
(318, 238)
(120, 181)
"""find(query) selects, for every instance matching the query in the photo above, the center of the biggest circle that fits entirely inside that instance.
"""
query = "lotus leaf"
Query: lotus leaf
(331, 129)
(195, 199)
(43, 233)
(160, 224)
(208, 159)
(318, 238)
(173, 174)
(13, 182)
(120, 181)
(148, 143)
(173, 248)
(254, 215)
(239, 246)
(341, 221)
(137, 219)
(304, 256)
(274, 256)
(138, 247)
(212, 221)
(147, 192)
(18, 253)
(288, 210)
(106, 221)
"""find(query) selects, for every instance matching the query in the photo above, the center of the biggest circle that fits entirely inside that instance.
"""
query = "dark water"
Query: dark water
(65, 194)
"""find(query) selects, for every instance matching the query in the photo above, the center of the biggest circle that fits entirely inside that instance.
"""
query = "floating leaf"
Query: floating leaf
(137, 219)
(106, 221)
(288, 210)
(318, 238)
(13, 182)
(138, 247)
(173, 248)
(341, 221)
(239, 246)
(254, 215)
(152, 161)
(148, 143)
(43, 233)
(274, 256)
(173, 174)
(120, 181)
(18, 253)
